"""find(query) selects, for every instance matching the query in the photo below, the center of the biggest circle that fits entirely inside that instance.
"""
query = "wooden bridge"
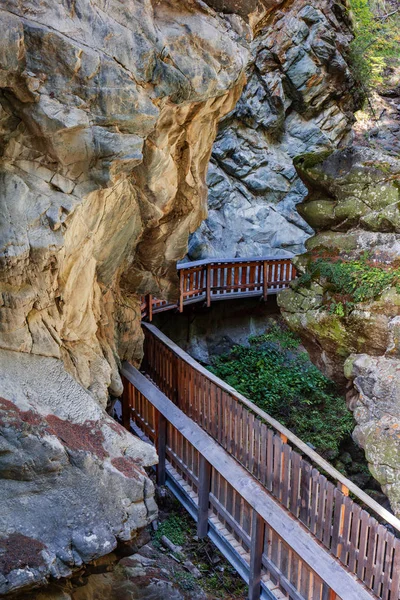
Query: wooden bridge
(292, 525)
(210, 280)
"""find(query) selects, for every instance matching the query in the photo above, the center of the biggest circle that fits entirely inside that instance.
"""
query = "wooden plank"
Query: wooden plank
(328, 516)
(302, 542)
(379, 559)
(286, 460)
(295, 485)
(276, 486)
(270, 459)
(389, 562)
(305, 483)
(203, 497)
(305, 449)
(209, 273)
(161, 444)
(256, 550)
(265, 280)
(362, 548)
(354, 536)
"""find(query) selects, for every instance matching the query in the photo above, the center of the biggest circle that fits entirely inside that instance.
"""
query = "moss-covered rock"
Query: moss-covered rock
(346, 304)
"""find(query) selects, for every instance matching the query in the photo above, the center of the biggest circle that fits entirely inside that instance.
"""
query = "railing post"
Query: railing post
(126, 405)
(208, 285)
(149, 300)
(161, 446)
(256, 551)
(204, 497)
(327, 593)
(181, 279)
(265, 280)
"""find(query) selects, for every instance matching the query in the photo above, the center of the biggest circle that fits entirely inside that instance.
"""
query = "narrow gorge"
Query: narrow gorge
(136, 134)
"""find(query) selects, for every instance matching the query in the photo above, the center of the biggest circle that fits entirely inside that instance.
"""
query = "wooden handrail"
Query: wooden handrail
(346, 483)
(223, 279)
(340, 582)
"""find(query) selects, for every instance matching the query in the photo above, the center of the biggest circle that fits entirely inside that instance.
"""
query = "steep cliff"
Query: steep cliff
(299, 98)
(346, 304)
(108, 111)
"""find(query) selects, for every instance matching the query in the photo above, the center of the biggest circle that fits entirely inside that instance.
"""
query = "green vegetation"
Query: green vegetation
(377, 39)
(351, 281)
(175, 528)
(280, 378)
(218, 579)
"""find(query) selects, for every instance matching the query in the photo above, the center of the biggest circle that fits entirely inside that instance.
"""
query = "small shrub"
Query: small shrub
(186, 581)
(174, 528)
(376, 40)
(276, 333)
(285, 383)
(357, 280)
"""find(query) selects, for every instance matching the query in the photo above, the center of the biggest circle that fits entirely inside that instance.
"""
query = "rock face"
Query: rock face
(298, 99)
(346, 305)
(208, 332)
(72, 480)
(106, 131)
(108, 111)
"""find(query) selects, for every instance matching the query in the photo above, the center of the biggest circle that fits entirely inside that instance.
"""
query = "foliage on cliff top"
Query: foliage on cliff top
(280, 378)
(377, 39)
(351, 281)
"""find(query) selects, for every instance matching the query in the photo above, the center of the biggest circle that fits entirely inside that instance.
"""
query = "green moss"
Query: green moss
(174, 528)
(330, 327)
(319, 214)
(309, 160)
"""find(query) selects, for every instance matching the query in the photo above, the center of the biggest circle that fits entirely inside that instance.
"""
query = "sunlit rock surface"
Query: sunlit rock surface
(108, 112)
(299, 98)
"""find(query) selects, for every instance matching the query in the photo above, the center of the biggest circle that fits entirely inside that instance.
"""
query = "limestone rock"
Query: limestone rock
(108, 111)
(106, 131)
(73, 483)
(353, 204)
(299, 98)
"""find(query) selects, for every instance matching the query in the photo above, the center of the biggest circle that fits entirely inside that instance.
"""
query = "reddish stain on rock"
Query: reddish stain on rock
(128, 466)
(18, 551)
(76, 436)
(11, 415)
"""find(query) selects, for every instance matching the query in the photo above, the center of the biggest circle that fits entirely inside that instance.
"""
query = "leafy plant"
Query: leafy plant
(357, 280)
(376, 39)
(276, 333)
(289, 387)
(174, 528)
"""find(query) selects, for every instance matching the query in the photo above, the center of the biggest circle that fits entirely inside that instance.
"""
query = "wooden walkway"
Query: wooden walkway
(279, 512)
(210, 280)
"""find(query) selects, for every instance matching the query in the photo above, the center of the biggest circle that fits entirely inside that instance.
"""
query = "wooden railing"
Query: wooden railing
(266, 449)
(210, 280)
(274, 553)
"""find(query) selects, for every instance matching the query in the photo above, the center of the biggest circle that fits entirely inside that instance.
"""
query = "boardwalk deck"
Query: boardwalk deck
(272, 545)
(306, 485)
(211, 280)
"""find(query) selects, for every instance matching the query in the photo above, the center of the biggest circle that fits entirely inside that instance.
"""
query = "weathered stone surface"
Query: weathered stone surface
(298, 99)
(72, 479)
(108, 111)
(106, 133)
(353, 204)
(376, 408)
